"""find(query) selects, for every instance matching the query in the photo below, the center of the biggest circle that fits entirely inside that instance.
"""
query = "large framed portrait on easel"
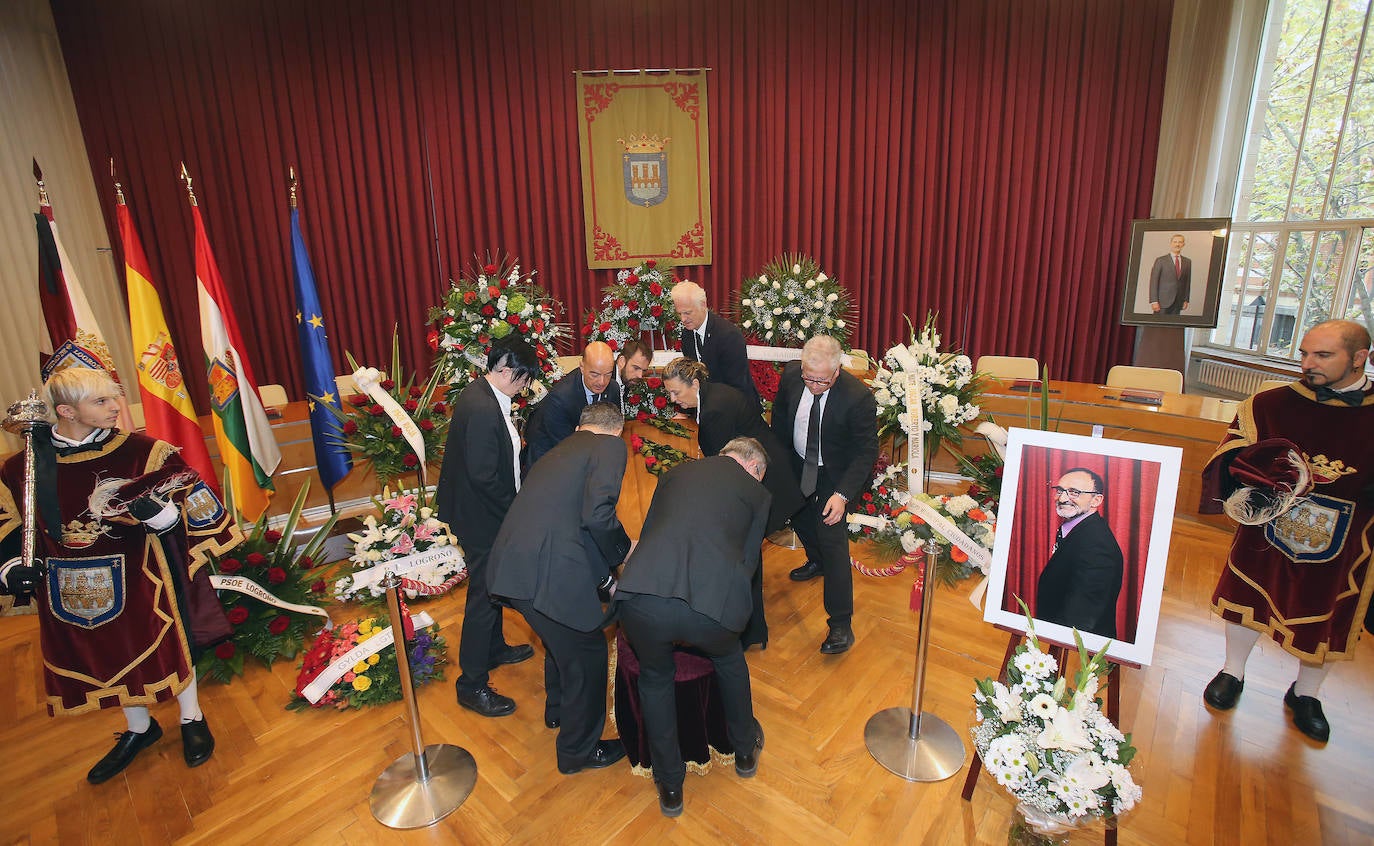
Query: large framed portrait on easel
(1083, 540)
(1174, 273)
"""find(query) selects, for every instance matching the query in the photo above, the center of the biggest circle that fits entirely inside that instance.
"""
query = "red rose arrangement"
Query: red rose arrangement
(640, 300)
(658, 458)
(647, 400)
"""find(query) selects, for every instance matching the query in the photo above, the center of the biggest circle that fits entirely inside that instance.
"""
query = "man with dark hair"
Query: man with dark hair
(714, 341)
(555, 417)
(688, 581)
(634, 358)
(559, 544)
(1297, 470)
(477, 484)
(1171, 279)
(1079, 586)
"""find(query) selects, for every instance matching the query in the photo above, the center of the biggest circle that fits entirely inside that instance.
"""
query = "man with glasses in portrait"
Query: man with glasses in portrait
(1079, 586)
(830, 419)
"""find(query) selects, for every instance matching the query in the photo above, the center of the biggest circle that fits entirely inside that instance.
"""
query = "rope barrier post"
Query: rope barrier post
(430, 782)
(917, 745)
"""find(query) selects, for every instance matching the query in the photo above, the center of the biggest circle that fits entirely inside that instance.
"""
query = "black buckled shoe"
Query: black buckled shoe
(514, 654)
(197, 744)
(839, 640)
(1223, 691)
(605, 753)
(747, 760)
(805, 572)
(1307, 715)
(484, 700)
(126, 748)
(669, 800)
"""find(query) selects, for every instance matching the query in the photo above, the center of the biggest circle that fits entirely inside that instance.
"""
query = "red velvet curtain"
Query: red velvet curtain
(982, 158)
(1128, 507)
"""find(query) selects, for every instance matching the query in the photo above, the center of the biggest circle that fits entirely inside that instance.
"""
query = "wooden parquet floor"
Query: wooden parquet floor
(1246, 777)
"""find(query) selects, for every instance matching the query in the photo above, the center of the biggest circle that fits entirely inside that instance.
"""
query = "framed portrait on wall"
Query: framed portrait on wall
(1175, 272)
(1083, 540)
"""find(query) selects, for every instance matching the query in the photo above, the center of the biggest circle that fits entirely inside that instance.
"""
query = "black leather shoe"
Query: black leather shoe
(1223, 691)
(514, 654)
(839, 640)
(605, 753)
(805, 572)
(197, 744)
(484, 700)
(669, 800)
(125, 749)
(1307, 715)
(747, 761)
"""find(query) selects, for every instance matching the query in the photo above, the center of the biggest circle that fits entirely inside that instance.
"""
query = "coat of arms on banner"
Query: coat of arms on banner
(224, 382)
(1313, 531)
(159, 361)
(86, 592)
(646, 169)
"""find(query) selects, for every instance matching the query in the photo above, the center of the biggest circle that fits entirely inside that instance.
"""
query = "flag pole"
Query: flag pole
(42, 189)
(186, 177)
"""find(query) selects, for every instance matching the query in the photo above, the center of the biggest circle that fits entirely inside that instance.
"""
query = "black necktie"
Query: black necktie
(813, 449)
(1058, 539)
(1351, 398)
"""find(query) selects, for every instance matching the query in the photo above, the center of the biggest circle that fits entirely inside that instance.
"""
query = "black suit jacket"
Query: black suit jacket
(1080, 584)
(477, 480)
(1169, 290)
(725, 356)
(724, 414)
(702, 540)
(849, 428)
(556, 415)
(561, 536)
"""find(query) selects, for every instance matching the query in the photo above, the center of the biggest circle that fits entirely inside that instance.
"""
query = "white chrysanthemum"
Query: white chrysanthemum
(960, 505)
(883, 397)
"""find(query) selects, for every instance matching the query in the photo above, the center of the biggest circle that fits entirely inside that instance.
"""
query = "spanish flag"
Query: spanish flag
(246, 443)
(168, 412)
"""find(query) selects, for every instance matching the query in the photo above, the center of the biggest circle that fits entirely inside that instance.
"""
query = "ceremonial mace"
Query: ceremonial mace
(22, 418)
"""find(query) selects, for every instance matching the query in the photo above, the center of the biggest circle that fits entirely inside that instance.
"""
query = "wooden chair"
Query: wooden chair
(273, 396)
(1008, 367)
(1145, 378)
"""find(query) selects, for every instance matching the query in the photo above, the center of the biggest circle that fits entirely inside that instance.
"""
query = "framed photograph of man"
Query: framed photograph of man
(1174, 273)
(1082, 539)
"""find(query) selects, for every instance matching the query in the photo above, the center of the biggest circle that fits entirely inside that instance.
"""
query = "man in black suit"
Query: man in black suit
(559, 544)
(1079, 586)
(714, 341)
(1171, 279)
(477, 484)
(633, 359)
(830, 419)
(687, 581)
(555, 416)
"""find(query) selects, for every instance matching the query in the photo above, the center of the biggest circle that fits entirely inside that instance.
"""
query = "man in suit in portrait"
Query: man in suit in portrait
(559, 544)
(1079, 586)
(555, 417)
(830, 420)
(714, 341)
(477, 484)
(1171, 280)
(687, 581)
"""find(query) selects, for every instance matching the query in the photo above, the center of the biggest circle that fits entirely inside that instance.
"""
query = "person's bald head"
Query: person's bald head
(598, 366)
(689, 299)
(1333, 354)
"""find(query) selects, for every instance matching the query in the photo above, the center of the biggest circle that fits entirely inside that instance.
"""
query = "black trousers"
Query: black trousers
(579, 682)
(652, 624)
(827, 546)
(482, 638)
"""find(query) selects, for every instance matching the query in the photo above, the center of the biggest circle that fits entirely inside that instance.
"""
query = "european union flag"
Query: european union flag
(331, 458)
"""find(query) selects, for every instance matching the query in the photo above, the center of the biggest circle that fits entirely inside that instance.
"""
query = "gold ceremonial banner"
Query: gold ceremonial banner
(646, 178)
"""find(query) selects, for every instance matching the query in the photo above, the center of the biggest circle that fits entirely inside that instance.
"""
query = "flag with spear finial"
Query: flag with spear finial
(74, 336)
(247, 446)
(168, 413)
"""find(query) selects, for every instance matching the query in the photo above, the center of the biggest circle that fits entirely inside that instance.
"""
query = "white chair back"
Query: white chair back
(1145, 378)
(1008, 367)
(273, 396)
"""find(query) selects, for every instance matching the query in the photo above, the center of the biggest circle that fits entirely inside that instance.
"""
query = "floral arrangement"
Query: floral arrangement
(406, 528)
(373, 681)
(647, 400)
(500, 300)
(949, 388)
(271, 567)
(1048, 742)
(640, 301)
(791, 300)
(658, 458)
(767, 376)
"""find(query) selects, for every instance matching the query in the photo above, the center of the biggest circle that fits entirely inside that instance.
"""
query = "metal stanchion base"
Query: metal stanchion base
(400, 800)
(785, 538)
(934, 756)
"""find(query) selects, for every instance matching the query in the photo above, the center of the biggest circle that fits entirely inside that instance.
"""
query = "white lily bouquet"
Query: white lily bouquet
(949, 388)
(408, 540)
(1050, 744)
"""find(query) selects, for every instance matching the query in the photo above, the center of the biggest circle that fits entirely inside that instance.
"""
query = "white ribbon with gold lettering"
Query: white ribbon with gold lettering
(404, 565)
(248, 587)
(369, 381)
(363, 651)
(916, 439)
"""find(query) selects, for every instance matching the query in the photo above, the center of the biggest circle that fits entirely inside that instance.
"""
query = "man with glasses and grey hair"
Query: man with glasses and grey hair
(830, 419)
(1079, 586)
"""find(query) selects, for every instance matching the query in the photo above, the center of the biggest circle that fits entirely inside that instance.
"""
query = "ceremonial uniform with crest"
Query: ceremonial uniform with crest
(123, 611)
(1303, 576)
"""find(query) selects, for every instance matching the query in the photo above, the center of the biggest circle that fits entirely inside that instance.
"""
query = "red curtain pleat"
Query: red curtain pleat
(979, 158)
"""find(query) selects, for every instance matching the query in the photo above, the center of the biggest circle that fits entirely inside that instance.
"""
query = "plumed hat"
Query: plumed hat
(1273, 476)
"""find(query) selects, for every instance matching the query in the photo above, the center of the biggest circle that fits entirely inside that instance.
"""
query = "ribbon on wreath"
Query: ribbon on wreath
(369, 381)
(248, 587)
(409, 563)
(321, 684)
